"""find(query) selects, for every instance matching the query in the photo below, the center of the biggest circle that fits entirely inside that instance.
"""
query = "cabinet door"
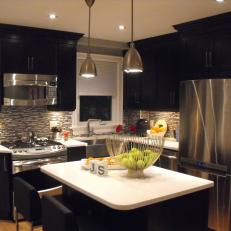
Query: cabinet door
(66, 64)
(43, 56)
(195, 57)
(131, 91)
(149, 80)
(14, 56)
(168, 83)
(6, 191)
(221, 55)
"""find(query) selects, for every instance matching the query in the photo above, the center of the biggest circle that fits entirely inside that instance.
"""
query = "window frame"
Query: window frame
(117, 100)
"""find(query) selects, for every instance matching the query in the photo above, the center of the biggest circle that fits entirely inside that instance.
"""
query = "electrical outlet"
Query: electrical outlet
(54, 124)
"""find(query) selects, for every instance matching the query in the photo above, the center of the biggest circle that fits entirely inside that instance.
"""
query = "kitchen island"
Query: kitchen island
(162, 200)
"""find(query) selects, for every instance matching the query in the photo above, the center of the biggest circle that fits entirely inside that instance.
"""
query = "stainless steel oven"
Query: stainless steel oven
(29, 89)
(32, 155)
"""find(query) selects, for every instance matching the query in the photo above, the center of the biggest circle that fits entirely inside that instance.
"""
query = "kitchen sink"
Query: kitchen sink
(96, 146)
(96, 150)
(95, 141)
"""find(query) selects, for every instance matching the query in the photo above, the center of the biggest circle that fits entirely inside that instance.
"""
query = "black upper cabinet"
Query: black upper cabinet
(156, 88)
(14, 57)
(132, 96)
(206, 51)
(42, 55)
(168, 73)
(66, 77)
(30, 50)
(28, 55)
(196, 56)
(220, 55)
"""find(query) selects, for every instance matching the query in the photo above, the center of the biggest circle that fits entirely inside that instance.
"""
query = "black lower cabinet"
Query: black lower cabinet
(6, 195)
(76, 153)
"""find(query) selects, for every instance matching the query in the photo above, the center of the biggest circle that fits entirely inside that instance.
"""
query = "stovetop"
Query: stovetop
(32, 144)
(36, 148)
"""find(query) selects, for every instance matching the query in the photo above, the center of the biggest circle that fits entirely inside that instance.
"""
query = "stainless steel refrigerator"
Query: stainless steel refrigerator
(205, 142)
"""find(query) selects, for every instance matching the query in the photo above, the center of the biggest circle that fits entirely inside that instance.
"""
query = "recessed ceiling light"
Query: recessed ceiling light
(121, 27)
(52, 16)
(220, 0)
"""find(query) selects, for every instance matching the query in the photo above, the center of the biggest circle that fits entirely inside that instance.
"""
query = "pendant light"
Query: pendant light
(88, 68)
(132, 60)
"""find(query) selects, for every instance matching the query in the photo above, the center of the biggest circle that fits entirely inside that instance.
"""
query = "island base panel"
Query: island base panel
(185, 213)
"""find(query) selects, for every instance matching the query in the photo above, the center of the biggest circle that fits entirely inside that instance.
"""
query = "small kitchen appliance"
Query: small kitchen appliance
(141, 127)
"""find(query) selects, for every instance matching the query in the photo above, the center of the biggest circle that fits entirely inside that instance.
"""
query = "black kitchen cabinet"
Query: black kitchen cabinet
(28, 55)
(205, 44)
(42, 56)
(149, 79)
(14, 57)
(168, 77)
(220, 55)
(30, 50)
(196, 57)
(6, 188)
(66, 77)
(132, 97)
(156, 88)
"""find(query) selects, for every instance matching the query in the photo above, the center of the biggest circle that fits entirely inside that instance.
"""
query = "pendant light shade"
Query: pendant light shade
(88, 67)
(132, 60)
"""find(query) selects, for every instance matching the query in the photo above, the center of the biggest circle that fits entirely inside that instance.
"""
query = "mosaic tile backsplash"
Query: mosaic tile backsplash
(15, 121)
(172, 118)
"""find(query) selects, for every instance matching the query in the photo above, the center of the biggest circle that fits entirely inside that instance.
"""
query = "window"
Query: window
(95, 107)
(104, 92)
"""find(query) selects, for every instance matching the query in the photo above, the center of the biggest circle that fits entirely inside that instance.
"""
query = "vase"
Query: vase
(135, 173)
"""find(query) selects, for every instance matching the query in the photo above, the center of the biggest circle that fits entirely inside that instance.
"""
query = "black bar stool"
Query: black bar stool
(27, 201)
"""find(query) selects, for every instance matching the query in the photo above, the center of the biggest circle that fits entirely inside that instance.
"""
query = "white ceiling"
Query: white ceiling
(151, 17)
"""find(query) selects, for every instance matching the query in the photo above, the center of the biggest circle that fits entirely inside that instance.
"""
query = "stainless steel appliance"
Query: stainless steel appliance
(32, 155)
(29, 89)
(205, 147)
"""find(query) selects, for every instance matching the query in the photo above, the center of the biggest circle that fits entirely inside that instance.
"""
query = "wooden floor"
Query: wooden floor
(10, 226)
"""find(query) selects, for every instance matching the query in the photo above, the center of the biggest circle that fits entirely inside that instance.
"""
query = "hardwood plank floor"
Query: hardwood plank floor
(10, 226)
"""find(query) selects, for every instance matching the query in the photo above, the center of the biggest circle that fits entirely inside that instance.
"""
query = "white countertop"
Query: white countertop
(4, 149)
(70, 143)
(119, 192)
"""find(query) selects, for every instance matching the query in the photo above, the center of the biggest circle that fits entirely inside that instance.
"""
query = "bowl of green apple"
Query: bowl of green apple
(136, 160)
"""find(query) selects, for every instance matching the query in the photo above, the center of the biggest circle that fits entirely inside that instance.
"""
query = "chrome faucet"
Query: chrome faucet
(89, 130)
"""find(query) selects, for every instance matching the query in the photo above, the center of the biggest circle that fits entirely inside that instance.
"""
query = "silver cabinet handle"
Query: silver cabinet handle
(206, 59)
(210, 59)
(60, 96)
(32, 63)
(173, 97)
(5, 165)
(28, 63)
(170, 97)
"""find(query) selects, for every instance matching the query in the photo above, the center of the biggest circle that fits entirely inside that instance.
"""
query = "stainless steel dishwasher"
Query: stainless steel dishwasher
(169, 160)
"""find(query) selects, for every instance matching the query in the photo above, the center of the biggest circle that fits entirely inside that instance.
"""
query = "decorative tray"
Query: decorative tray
(111, 163)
